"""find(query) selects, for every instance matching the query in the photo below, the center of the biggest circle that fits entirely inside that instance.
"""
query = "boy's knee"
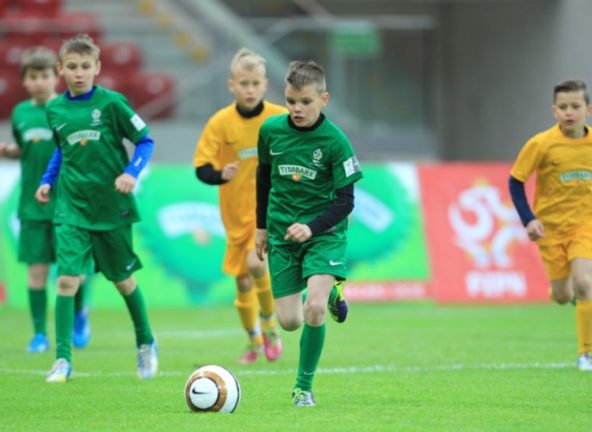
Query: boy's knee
(290, 323)
(126, 286)
(68, 285)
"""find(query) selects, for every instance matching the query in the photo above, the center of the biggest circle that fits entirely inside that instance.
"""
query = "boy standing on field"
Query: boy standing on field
(226, 155)
(95, 207)
(305, 191)
(34, 146)
(561, 224)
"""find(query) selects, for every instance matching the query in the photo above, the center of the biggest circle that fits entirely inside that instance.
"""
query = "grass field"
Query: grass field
(390, 367)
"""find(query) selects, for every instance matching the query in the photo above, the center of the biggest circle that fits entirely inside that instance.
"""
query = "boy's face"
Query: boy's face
(570, 110)
(305, 104)
(79, 71)
(40, 83)
(248, 86)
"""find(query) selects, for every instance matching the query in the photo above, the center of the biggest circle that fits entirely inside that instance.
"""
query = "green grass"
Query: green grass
(390, 367)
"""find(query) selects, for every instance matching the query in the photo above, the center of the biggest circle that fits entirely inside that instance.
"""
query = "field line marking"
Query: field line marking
(339, 370)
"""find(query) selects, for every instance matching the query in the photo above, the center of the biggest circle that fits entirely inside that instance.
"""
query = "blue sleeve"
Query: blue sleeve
(142, 155)
(520, 201)
(53, 169)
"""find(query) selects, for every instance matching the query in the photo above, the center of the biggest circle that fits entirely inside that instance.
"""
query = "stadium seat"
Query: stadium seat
(23, 28)
(121, 58)
(112, 81)
(11, 93)
(72, 23)
(43, 8)
(153, 95)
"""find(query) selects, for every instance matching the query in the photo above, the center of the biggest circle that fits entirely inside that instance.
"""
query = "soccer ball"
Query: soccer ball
(212, 388)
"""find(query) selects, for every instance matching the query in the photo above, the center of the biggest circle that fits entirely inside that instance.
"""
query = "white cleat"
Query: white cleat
(585, 362)
(60, 372)
(147, 360)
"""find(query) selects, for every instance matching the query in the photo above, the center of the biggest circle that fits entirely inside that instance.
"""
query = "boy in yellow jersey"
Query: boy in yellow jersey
(226, 155)
(561, 223)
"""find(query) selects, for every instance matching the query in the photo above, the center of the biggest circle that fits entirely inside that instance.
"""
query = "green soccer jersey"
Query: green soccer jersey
(35, 139)
(307, 166)
(90, 135)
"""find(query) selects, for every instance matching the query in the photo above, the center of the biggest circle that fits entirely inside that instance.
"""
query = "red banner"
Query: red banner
(479, 250)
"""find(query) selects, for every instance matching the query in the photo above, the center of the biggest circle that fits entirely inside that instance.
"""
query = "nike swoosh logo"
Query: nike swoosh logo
(272, 153)
(335, 263)
(61, 126)
(130, 265)
(198, 392)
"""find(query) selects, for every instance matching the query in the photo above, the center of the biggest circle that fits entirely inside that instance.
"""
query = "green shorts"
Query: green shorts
(291, 264)
(37, 242)
(111, 250)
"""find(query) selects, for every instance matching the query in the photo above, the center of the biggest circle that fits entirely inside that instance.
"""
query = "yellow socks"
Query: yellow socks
(246, 304)
(584, 325)
(263, 288)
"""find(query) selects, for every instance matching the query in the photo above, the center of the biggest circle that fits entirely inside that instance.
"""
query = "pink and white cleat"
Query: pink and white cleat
(250, 355)
(272, 344)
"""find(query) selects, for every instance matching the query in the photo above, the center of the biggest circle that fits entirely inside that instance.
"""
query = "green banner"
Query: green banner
(181, 239)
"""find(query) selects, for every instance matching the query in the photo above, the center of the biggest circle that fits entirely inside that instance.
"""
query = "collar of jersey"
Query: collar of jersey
(83, 97)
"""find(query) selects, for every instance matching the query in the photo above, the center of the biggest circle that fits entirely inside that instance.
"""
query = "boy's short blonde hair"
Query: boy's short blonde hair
(246, 59)
(38, 58)
(571, 85)
(80, 44)
(302, 73)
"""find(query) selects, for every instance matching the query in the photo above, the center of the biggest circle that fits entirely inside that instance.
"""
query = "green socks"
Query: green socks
(38, 307)
(311, 346)
(64, 322)
(137, 309)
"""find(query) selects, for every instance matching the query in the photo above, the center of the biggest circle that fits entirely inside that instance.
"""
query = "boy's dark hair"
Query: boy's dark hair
(80, 44)
(303, 73)
(38, 58)
(571, 85)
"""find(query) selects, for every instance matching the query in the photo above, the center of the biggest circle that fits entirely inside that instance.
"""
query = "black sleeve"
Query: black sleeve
(336, 212)
(207, 174)
(263, 188)
(520, 201)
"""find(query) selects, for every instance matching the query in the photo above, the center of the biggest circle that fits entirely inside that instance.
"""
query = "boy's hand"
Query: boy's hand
(9, 150)
(229, 170)
(261, 243)
(125, 183)
(298, 232)
(535, 230)
(42, 194)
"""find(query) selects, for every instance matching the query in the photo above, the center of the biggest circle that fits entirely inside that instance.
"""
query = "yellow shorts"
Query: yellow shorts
(235, 258)
(558, 254)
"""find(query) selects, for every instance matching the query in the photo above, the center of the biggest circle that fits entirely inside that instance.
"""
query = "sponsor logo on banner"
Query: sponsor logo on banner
(479, 249)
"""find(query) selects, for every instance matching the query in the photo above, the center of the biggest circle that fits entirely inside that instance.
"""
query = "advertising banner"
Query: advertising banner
(181, 240)
(479, 250)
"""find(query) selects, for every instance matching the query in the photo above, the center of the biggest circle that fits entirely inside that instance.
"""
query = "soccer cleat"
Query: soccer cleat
(81, 332)
(38, 344)
(250, 355)
(60, 372)
(338, 308)
(147, 360)
(302, 398)
(272, 344)
(585, 362)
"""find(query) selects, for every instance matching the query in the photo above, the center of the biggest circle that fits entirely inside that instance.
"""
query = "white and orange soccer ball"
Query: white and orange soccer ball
(212, 388)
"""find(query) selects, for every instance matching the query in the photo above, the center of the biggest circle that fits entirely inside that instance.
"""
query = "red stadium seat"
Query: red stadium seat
(117, 82)
(11, 52)
(23, 28)
(11, 93)
(70, 24)
(43, 8)
(153, 94)
(121, 58)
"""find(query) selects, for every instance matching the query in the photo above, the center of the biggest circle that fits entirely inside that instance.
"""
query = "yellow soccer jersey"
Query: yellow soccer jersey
(229, 137)
(563, 192)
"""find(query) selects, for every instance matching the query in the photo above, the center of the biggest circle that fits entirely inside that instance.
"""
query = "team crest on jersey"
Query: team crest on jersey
(317, 155)
(83, 137)
(96, 116)
(38, 134)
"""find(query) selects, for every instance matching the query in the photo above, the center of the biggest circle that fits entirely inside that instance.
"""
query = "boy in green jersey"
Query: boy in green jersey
(35, 146)
(307, 168)
(95, 207)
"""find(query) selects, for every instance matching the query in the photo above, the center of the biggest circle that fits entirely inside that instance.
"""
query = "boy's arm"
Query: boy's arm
(339, 209)
(141, 156)
(53, 169)
(209, 175)
(263, 188)
(520, 201)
